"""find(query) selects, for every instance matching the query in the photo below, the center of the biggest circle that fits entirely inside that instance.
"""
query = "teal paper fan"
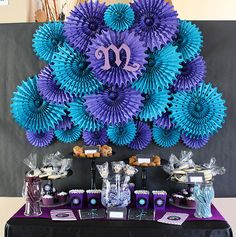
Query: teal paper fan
(200, 112)
(189, 40)
(72, 73)
(69, 135)
(154, 105)
(32, 112)
(165, 137)
(81, 117)
(47, 39)
(122, 134)
(161, 70)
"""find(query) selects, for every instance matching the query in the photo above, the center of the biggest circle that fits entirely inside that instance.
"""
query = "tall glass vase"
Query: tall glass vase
(32, 193)
(204, 195)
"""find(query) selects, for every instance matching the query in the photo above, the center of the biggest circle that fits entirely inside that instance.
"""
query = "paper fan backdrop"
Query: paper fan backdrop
(98, 137)
(47, 39)
(119, 17)
(195, 142)
(154, 105)
(120, 69)
(165, 137)
(72, 73)
(49, 89)
(65, 123)
(189, 40)
(155, 22)
(69, 135)
(41, 139)
(122, 134)
(31, 112)
(192, 73)
(114, 105)
(82, 118)
(84, 23)
(142, 138)
(200, 112)
(164, 121)
(161, 70)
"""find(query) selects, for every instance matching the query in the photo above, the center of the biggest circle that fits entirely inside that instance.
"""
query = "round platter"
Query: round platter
(57, 204)
(181, 206)
(70, 172)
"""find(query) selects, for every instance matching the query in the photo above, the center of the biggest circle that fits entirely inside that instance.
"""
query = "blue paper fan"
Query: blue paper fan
(165, 137)
(142, 138)
(98, 137)
(47, 39)
(84, 23)
(154, 105)
(81, 117)
(192, 73)
(72, 73)
(114, 105)
(200, 112)
(189, 40)
(122, 134)
(31, 112)
(119, 17)
(69, 135)
(41, 139)
(161, 70)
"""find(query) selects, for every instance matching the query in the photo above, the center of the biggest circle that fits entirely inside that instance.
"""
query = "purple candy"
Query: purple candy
(49, 89)
(83, 24)
(114, 66)
(114, 105)
(164, 121)
(143, 137)
(194, 143)
(192, 74)
(155, 22)
(95, 138)
(65, 123)
(41, 139)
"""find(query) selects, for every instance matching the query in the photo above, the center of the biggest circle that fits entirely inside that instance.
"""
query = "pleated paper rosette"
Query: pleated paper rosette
(164, 121)
(114, 105)
(195, 142)
(161, 70)
(32, 112)
(47, 39)
(122, 134)
(84, 23)
(154, 105)
(93, 138)
(142, 138)
(40, 139)
(200, 112)
(49, 89)
(117, 58)
(68, 136)
(155, 22)
(72, 72)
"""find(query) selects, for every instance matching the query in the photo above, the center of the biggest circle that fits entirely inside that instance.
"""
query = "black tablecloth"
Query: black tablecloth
(17, 227)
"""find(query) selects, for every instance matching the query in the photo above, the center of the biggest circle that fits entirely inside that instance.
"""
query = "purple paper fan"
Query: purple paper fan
(192, 73)
(143, 137)
(64, 124)
(98, 137)
(114, 105)
(194, 142)
(40, 139)
(84, 23)
(122, 63)
(49, 89)
(164, 121)
(155, 22)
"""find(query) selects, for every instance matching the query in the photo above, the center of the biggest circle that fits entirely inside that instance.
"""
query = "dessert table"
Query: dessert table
(18, 226)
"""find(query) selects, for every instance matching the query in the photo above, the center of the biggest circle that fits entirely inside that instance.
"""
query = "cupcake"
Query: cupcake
(48, 200)
(62, 196)
(178, 199)
(190, 202)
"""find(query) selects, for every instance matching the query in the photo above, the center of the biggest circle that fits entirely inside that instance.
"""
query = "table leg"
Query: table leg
(144, 177)
(93, 174)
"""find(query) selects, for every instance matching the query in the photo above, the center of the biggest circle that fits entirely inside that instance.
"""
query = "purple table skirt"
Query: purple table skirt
(215, 213)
